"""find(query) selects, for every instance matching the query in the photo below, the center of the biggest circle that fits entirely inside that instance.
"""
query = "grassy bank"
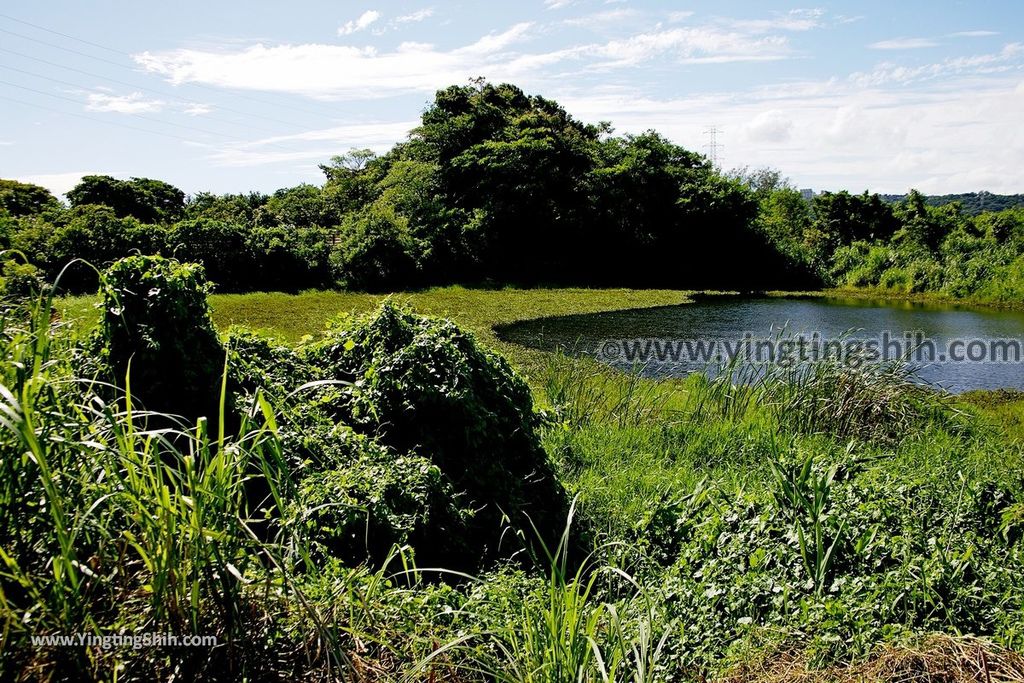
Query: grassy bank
(832, 524)
(290, 317)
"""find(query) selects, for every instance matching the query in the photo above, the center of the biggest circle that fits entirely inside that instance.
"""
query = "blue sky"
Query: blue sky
(233, 96)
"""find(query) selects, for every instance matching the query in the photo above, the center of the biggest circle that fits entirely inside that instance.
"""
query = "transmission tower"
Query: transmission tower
(713, 145)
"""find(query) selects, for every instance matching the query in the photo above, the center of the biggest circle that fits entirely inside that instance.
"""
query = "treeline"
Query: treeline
(499, 187)
(494, 186)
(973, 203)
(863, 241)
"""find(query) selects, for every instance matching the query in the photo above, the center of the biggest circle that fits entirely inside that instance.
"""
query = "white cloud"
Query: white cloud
(135, 103)
(973, 34)
(363, 22)
(681, 15)
(953, 133)
(701, 45)
(418, 15)
(332, 71)
(1004, 60)
(795, 20)
(602, 19)
(904, 44)
(769, 126)
(558, 4)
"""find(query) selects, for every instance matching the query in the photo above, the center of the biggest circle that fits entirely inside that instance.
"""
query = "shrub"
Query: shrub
(289, 258)
(842, 555)
(375, 253)
(423, 385)
(374, 499)
(97, 235)
(220, 246)
(156, 323)
(20, 280)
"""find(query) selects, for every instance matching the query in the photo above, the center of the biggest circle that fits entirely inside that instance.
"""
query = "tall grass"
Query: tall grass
(585, 622)
(109, 524)
(583, 392)
(852, 398)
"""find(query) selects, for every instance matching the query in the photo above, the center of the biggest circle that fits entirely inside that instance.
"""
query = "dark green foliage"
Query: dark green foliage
(148, 200)
(26, 199)
(97, 235)
(220, 246)
(288, 258)
(433, 403)
(20, 280)
(374, 499)
(422, 385)
(376, 252)
(302, 206)
(247, 209)
(973, 203)
(156, 324)
(850, 217)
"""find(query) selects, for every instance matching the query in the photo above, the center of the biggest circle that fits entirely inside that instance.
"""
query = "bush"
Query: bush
(375, 499)
(220, 246)
(375, 253)
(843, 555)
(422, 385)
(97, 235)
(20, 280)
(156, 323)
(290, 258)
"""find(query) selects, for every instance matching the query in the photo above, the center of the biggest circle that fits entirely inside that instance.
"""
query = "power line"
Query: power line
(147, 118)
(162, 93)
(122, 66)
(93, 118)
(156, 92)
(58, 33)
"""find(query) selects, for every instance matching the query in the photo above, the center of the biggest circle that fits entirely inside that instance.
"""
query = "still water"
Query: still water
(950, 347)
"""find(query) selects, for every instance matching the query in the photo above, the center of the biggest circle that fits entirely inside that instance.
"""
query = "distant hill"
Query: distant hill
(974, 202)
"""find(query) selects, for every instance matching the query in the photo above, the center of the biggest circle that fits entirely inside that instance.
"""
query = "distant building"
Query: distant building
(807, 194)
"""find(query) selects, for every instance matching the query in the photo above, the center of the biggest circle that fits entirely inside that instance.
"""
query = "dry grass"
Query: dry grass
(936, 659)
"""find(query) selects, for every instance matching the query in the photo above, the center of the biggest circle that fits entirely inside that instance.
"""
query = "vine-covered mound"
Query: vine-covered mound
(400, 428)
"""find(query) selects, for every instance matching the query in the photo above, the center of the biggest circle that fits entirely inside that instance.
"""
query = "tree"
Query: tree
(302, 206)
(222, 247)
(232, 208)
(847, 218)
(150, 201)
(26, 199)
(376, 252)
(99, 236)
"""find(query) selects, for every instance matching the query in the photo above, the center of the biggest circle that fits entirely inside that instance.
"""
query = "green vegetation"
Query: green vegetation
(861, 242)
(493, 186)
(358, 486)
(973, 203)
(384, 500)
(498, 187)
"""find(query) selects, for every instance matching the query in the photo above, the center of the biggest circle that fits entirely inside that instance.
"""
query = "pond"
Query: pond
(953, 347)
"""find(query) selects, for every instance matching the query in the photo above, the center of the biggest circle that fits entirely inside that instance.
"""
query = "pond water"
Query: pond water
(953, 347)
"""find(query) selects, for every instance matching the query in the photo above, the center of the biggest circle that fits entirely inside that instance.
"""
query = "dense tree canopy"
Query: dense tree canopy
(25, 199)
(148, 200)
(499, 186)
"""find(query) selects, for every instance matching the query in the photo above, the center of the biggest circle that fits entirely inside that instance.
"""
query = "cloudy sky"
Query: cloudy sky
(233, 96)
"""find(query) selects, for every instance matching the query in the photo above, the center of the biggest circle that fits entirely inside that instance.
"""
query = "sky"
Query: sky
(239, 96)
